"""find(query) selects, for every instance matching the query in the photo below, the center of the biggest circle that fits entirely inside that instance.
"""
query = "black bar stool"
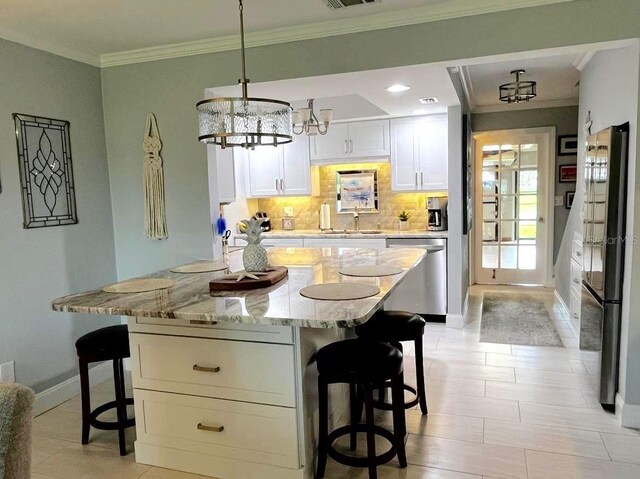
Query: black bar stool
(393, 327)
(364, 365)
(106, 344)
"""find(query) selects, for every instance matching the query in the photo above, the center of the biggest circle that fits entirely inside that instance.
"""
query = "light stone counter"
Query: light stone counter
(280, 305)
(339, 234)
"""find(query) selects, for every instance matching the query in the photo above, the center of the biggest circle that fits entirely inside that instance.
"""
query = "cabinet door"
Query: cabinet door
(369, 138)
(333, 145)
(225, 174)
(404, 175)
(296, 167)
(264, 171)
(433, 146)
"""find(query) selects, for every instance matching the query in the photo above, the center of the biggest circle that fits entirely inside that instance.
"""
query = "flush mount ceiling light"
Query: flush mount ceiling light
(518, 91)
(306, 120)
(244, 121)
(428, 100)
(398, 88)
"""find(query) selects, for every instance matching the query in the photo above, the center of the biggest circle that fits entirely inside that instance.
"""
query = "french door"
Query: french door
(513, 182)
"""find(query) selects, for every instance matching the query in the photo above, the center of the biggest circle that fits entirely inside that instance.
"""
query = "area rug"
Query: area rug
(513, 318)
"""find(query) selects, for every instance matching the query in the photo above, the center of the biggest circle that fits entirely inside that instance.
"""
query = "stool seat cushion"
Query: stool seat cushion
(360, 359)
(392, 326)
(111, 342)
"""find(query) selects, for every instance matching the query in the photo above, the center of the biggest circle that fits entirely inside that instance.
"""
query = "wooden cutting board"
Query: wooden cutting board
(229, 282)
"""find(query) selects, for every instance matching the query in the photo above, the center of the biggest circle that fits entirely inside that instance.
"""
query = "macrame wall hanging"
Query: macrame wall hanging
(155, 220)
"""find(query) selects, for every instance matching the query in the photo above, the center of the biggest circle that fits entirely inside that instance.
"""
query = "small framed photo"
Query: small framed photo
(568, 145)
(567, 173)
(288, 224)
(568, 199)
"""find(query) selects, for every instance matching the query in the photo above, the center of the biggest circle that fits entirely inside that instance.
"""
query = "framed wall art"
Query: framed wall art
(568, 199)
(357, 189)
(568, 145)
(46, 173)
(467, 175)
(567, 173)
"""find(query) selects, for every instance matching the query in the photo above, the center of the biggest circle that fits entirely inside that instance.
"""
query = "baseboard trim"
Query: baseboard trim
(56, 395)
(566, 312)
(457, 321)
(627, 414)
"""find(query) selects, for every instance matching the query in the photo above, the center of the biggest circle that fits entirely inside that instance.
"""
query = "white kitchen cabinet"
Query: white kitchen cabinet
(419, 153)
(224, 178)
(282, 171)
(362, 139)
(351, 242)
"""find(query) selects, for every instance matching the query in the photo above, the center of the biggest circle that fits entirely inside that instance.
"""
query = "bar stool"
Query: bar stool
(364, 365)
(106, 344)
(393, 327)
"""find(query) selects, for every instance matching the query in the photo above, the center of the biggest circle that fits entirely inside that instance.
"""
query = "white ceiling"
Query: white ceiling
(556, 77)
(362, 94)
(89, 30)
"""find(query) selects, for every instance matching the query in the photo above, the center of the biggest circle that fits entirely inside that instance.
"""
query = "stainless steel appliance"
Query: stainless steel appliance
(266, 220)
(604, 239)
(424, 290)
(437, 214)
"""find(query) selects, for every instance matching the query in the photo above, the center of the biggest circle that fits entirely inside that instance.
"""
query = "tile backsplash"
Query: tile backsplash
(307, 208)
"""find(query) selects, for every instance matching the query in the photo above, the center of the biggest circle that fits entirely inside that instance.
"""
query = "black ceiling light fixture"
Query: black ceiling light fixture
(518, 91)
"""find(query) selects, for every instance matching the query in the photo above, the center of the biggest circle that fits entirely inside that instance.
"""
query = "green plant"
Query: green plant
(404, 216)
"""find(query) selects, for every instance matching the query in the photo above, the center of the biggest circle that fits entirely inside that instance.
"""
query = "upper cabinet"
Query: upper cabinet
(419, 153)
(283, 170)
(361, 139)
(224, 178)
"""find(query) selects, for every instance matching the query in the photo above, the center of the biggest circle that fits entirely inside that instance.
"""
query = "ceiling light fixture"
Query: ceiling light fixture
(429, 100)
(398, 88)
(244, 121)
(307, 121)
(518, 91)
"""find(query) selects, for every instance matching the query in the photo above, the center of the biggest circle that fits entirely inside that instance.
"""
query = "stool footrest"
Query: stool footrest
(360, 461)
(109, 425)
(407, 405)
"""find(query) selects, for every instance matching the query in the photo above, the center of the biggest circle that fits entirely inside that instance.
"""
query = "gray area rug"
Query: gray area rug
(513, 318)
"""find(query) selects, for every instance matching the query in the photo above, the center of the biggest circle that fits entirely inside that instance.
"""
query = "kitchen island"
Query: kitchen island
(224, 384)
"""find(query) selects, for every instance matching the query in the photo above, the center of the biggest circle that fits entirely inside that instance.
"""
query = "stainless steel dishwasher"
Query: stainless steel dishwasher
(424, 290)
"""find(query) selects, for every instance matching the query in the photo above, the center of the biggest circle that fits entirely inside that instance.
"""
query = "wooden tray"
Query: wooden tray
(230, 283)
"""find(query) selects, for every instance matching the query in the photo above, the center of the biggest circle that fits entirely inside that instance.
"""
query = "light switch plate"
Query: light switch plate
(559, 200)
(288, 210)
(8, 372)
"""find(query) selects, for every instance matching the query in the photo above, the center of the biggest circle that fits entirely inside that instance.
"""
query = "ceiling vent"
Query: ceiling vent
(337, 4)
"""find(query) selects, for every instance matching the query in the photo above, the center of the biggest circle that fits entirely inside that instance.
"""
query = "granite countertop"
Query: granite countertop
(281, 304)
(384, 234)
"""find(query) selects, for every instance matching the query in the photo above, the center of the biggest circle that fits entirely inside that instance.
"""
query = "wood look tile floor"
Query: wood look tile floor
(497, 411)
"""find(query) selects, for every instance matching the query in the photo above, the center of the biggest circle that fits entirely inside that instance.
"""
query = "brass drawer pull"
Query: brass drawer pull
(203, 322)
(203, 369)
(202, 427)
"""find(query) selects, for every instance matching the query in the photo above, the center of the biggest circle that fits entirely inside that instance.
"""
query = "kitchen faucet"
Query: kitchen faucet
(356, 220)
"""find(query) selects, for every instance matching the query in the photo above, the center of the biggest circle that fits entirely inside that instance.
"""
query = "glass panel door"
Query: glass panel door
(512, 245)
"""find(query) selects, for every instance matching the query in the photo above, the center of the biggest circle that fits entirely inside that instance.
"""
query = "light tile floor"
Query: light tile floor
(496, 411)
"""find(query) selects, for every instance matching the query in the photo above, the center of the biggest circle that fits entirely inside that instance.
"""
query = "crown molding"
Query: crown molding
(533, 105)
(583, 60)
(412, 16)
(59, 50)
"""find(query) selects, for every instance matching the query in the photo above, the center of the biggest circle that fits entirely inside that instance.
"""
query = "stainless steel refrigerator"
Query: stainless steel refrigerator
(604, 239)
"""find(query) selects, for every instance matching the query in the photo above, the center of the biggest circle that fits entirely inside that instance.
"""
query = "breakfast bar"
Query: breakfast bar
(224, 382)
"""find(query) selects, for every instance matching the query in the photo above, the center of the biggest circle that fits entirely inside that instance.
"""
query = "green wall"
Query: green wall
(39, 265)
(170, 88)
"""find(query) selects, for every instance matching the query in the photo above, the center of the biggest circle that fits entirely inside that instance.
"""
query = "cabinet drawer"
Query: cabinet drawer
(576, 249)
(574, 309)
(250, 432)
(253, 372)
(211, 329)
(345, 243)
(576, 277)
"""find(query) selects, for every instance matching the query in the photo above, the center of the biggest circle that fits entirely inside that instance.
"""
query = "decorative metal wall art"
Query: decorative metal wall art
(46, 174)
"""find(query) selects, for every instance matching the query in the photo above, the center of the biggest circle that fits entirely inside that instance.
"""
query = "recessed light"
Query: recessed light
(428, 100)
(398, 88)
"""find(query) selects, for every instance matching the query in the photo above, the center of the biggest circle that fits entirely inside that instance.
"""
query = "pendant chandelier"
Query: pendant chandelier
(306, 121)
(244, 121)
(518, 91)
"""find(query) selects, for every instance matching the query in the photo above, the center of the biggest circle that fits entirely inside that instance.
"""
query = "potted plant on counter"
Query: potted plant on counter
(404, 220)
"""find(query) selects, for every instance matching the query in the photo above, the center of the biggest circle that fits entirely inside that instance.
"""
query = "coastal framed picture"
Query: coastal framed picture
(567, 173)
(357, 189)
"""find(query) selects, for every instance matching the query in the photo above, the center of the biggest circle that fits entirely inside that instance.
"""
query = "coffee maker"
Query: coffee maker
(436, 214)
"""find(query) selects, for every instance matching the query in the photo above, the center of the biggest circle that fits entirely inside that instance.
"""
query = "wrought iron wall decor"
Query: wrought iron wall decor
(46, 174)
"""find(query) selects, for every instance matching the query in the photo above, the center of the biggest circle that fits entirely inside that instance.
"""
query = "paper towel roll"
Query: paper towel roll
(325, 217)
